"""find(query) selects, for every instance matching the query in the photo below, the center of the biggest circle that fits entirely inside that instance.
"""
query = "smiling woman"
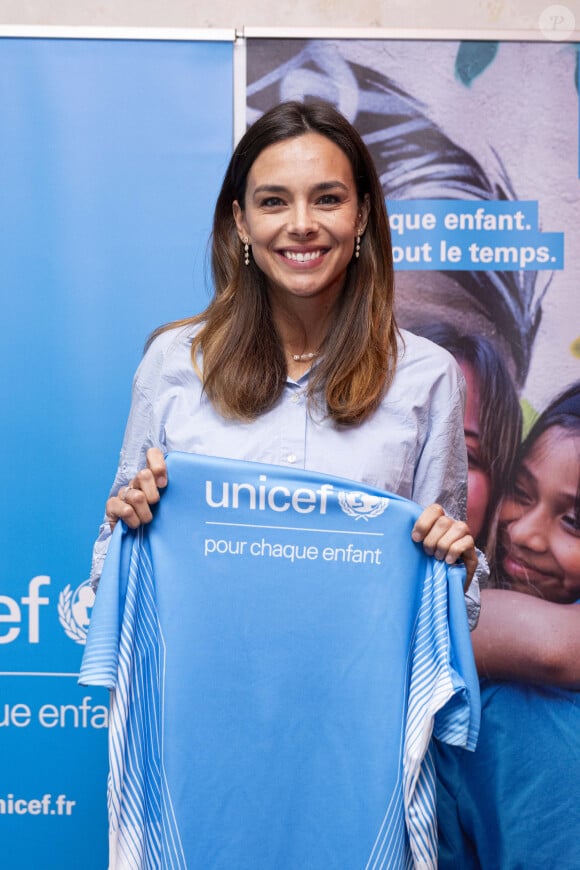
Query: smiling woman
(298, 360)
(302, 197)
(301, 216)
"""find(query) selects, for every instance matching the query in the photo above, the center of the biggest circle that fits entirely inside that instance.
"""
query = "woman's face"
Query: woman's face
(301, 215)
(478, 479)
(539, 536)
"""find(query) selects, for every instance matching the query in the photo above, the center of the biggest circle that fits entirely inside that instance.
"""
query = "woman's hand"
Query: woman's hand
(132, 504)
(446, 539)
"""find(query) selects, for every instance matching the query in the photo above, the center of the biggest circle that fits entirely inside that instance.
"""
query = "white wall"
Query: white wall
(479, 15)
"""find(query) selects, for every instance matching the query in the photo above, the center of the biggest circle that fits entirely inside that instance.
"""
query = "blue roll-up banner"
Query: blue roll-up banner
(111, 154)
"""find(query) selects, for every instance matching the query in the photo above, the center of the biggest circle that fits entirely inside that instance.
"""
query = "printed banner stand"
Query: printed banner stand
(111, 153)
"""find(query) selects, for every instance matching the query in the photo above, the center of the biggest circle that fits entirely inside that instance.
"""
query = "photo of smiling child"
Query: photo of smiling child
(527, 647)
(538, 548)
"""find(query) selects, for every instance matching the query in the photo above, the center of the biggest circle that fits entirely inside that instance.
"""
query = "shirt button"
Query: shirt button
(295, 398)
(291, 458)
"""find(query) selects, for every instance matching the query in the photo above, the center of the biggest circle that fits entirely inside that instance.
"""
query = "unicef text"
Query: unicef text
(47, 805)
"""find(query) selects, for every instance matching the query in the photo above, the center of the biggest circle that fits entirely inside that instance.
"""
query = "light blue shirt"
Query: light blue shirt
(313, 683)
(413, 445)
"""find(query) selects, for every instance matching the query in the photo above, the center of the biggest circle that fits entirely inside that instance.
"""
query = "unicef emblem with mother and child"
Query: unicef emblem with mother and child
(361, 505)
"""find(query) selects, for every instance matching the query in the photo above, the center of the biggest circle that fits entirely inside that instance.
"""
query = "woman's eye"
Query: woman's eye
(328, 199)
(271, 202)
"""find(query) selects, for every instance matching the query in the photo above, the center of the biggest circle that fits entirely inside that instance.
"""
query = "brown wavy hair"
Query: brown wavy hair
(244, 366)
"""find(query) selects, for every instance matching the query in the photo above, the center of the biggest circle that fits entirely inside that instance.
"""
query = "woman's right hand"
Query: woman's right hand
(447, 539)
(132, 504)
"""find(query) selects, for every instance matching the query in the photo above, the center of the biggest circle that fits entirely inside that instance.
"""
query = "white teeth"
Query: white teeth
(302, 257)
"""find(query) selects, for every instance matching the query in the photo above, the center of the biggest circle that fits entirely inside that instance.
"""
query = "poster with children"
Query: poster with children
(476, 144)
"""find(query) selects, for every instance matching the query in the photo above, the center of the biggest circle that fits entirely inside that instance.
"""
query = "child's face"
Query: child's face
(539, 535)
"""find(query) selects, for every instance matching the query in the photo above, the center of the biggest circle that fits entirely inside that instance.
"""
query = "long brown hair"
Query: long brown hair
(244, 366)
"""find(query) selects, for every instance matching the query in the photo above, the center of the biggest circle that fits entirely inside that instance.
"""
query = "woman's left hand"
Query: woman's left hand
(447, 539)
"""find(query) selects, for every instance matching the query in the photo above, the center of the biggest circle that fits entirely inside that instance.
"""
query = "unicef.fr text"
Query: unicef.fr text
(47, 805)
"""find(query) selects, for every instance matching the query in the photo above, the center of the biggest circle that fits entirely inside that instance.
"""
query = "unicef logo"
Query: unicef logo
(361, 505)
(74, 611)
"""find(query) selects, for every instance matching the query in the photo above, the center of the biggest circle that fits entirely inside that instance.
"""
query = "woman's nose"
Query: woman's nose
(302, 221)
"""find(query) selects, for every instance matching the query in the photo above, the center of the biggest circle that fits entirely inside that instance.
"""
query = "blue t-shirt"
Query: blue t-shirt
(280, 653)
(513, 804)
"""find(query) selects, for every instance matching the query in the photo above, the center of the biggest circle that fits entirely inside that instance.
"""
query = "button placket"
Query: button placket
(293, 440)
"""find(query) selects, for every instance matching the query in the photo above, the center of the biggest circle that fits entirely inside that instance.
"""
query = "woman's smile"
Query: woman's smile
(303, 257)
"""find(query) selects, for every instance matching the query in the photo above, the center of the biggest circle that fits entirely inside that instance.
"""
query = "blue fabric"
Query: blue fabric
(412, 445)
(513, 804)
(280, 653)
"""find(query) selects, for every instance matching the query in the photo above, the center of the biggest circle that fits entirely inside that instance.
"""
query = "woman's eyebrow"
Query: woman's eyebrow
(280, 188)
(270, 188)
(330, 185)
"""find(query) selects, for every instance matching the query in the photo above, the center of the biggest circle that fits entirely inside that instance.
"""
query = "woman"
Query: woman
(297, 361)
